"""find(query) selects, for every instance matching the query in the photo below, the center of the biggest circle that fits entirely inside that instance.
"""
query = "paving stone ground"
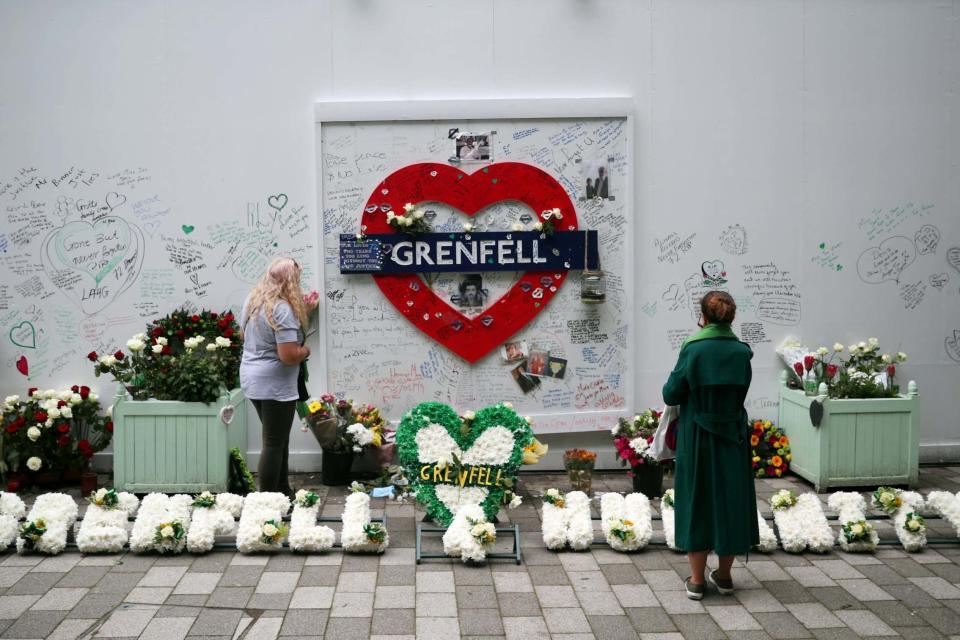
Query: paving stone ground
(594, 594)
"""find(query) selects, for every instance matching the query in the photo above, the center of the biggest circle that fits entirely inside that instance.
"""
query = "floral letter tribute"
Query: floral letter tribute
(11, 510)
(904, 507)
(45, 530)
(470, 535)
(162, 524)
(801, 522)
(359, 535)
(626, 521)
(856, 534)
(666, 516)
(566, 520)
(947, 505)
(104, 526)
(768, 539)
(456, 461)
(261, 523)
(305, 534)
(213, 515)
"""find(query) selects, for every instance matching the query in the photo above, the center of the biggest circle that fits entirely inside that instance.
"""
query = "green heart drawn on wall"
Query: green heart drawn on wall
(187, 228)
(452, 462)
(24, 335)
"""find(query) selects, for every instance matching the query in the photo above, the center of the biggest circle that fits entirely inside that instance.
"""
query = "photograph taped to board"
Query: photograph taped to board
(537, 362)
(596, 178)
(514, 351)
(525, 381)
(471, 147)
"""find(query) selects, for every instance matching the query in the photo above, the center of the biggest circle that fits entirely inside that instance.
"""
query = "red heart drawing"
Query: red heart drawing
(470, 338)
(22, 366)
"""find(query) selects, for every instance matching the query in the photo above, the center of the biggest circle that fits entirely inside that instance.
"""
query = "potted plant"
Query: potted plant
(579, 465)
(632, 438)
(50, 436)
(342, 430)
(858, 430)
(179, 409)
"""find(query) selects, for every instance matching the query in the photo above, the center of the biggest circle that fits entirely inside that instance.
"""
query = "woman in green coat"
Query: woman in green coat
(715, 505)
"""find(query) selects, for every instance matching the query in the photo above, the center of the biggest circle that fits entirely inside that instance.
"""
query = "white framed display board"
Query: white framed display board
(373, 352)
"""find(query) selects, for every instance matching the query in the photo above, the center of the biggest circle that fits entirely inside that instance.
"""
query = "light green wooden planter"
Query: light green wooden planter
(176, 447)
(859, 443)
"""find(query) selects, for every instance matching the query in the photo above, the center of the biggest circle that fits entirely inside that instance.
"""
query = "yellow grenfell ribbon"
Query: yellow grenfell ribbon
(466, 475)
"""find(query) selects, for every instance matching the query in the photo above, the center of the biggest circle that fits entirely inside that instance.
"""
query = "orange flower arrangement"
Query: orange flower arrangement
(770, 450)
(579, 459)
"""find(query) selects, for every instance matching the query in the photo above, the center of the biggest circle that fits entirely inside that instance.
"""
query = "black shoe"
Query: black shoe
(694, 591)
(725, 587)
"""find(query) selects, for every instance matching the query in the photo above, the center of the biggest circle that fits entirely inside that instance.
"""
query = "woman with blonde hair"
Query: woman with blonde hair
(274, 320)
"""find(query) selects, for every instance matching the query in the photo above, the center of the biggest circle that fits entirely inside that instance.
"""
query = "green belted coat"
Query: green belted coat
(715, 504)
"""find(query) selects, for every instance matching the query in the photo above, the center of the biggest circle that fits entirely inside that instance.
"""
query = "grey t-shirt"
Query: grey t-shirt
(262, 374)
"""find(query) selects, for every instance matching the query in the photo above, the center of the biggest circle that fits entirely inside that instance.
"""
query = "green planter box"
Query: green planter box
(176, 447)
(859, 443)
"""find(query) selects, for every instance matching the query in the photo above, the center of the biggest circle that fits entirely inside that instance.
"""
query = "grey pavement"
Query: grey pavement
(593, 594)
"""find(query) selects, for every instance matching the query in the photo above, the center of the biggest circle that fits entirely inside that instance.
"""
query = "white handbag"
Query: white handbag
(659, 448)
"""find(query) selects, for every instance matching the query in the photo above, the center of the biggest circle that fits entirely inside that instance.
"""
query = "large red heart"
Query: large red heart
(22, 365)
(470, 338)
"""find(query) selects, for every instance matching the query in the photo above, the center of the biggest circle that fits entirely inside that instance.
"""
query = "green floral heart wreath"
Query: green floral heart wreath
(464, 431)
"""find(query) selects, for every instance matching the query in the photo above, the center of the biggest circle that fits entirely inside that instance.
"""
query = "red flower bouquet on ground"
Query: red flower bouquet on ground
(632, 438)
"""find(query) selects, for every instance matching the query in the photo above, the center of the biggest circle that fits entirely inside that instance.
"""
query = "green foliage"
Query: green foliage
(190, 357)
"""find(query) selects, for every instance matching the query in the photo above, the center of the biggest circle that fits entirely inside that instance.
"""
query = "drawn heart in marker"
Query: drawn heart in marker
(953, 257)
(115, 200)
(526, 287)
(370, 208)
(187, 228)
(486, 321)
(22, 365)
(470, 194)
(712, 268)
(151, 227)
(277, 202)
(24, 335)
(93, 263)
(537, 293)
(546, 281)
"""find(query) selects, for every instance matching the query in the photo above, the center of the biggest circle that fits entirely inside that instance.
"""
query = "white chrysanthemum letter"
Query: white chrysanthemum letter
(12, 509)
(626, 521)
(359, 534)
(856, 534)
(104, 527)
(217, 519)
(162, 524)
(305, 534)
(261, 527)
(46, 527)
